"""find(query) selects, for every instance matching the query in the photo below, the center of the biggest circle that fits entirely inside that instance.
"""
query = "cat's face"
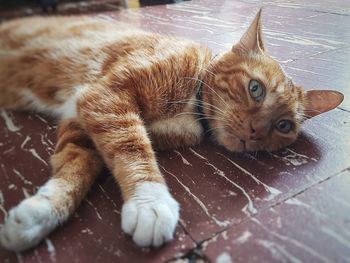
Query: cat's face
(260, 108)
(253, 104)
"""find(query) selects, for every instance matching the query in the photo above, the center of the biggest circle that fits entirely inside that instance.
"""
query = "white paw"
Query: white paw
(28, 223)
(151, 215)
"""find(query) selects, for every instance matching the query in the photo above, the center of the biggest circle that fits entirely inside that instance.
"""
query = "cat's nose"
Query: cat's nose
(259, 129)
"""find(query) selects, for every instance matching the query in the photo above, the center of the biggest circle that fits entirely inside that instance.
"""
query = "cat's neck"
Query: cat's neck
(204, 97)
(202, 118)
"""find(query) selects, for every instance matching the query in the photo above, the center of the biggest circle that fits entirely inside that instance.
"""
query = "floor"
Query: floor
(289, 206)
(9, 10)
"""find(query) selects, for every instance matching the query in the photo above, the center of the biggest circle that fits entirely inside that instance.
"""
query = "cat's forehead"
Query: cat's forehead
(262, 68)
(281, 95)
(267, 69)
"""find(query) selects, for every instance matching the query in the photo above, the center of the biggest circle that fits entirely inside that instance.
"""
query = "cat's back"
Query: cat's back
(66, 43)
(81, 42)
(53, 32)
(36, 50)
(48, 58)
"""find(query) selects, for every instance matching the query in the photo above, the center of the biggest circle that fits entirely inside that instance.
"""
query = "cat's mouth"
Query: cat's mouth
(250, 145)
(239, 145)
(253, 145)
(244, 145)
(235, 143)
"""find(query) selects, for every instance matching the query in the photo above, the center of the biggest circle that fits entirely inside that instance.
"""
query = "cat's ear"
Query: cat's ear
(252, 40)
(319, 101)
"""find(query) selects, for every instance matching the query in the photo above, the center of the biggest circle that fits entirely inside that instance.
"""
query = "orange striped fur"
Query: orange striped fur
(122, 92)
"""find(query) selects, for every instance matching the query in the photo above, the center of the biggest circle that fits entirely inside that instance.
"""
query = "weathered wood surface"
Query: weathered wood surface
(289, 206)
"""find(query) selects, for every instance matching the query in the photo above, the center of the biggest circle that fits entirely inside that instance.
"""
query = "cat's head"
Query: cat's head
(251, 104)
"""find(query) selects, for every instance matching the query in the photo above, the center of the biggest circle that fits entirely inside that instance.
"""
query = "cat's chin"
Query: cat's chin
(237, 145)
(241, 146)
(231, 144)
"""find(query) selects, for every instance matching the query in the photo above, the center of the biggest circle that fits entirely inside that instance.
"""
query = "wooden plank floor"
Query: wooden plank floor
(289, 206)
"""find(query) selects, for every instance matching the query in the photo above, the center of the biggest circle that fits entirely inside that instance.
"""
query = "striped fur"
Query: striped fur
(122, 92)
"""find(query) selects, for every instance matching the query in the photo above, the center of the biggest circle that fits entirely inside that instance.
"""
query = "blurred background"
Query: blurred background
(16, 8)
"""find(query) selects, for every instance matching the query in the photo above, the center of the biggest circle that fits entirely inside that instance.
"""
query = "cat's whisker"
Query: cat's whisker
(210, 106)
(327, 117)
(203, 119)
(216, 128)
(214, 91)
(196, 104)
(206, 70)
(207, 106)
(198, 114)
(118, 99)
(234, 135)
(210, 89)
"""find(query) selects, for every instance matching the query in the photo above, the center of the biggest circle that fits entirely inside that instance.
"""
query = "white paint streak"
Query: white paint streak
(24, 180)
(250, 205)
(2, 202)
(25, 193)
(273, 191)
(109, 198)
(25, 142)
(278, 252)
(32, 150)
(9, 122)
(45, 141)
(8, 150)
(224, 258)
(87, 231)
(51, 249)
(295, 242)
(199, 202)
(301, 155)
(4, 170)
(12, 186)
(243, 238)
(182, 158)
(294, 158)
(94, 207)
(299, 40)
(36, 155)
(41, 118)
(336, 236)
(294, 201)
(345, 203)
(224, 235)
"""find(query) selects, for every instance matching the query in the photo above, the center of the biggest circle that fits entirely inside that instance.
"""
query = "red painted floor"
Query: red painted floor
(289, 206)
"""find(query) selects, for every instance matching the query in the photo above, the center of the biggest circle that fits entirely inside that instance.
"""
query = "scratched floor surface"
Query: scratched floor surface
(289, 206)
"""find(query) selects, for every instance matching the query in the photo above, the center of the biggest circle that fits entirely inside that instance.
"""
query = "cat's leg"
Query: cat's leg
(149, 213)
(75, 164)
(179, 131)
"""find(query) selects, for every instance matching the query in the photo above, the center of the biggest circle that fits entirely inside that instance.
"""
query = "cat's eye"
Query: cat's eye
(284, 126)
(256, 90)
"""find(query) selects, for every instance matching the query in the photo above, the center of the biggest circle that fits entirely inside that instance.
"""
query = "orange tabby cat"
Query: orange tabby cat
(120, 92)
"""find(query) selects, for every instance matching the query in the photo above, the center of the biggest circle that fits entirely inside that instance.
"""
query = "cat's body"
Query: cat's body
(44, 67)
(119, 92)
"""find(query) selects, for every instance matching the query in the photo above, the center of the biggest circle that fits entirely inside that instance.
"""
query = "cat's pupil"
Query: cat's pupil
(284, 126)
(256, 90)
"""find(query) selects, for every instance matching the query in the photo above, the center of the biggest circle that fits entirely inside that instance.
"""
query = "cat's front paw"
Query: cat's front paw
(27, 224)
(151, 215)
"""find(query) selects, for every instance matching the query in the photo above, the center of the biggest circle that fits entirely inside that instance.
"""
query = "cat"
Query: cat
(120, 93)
